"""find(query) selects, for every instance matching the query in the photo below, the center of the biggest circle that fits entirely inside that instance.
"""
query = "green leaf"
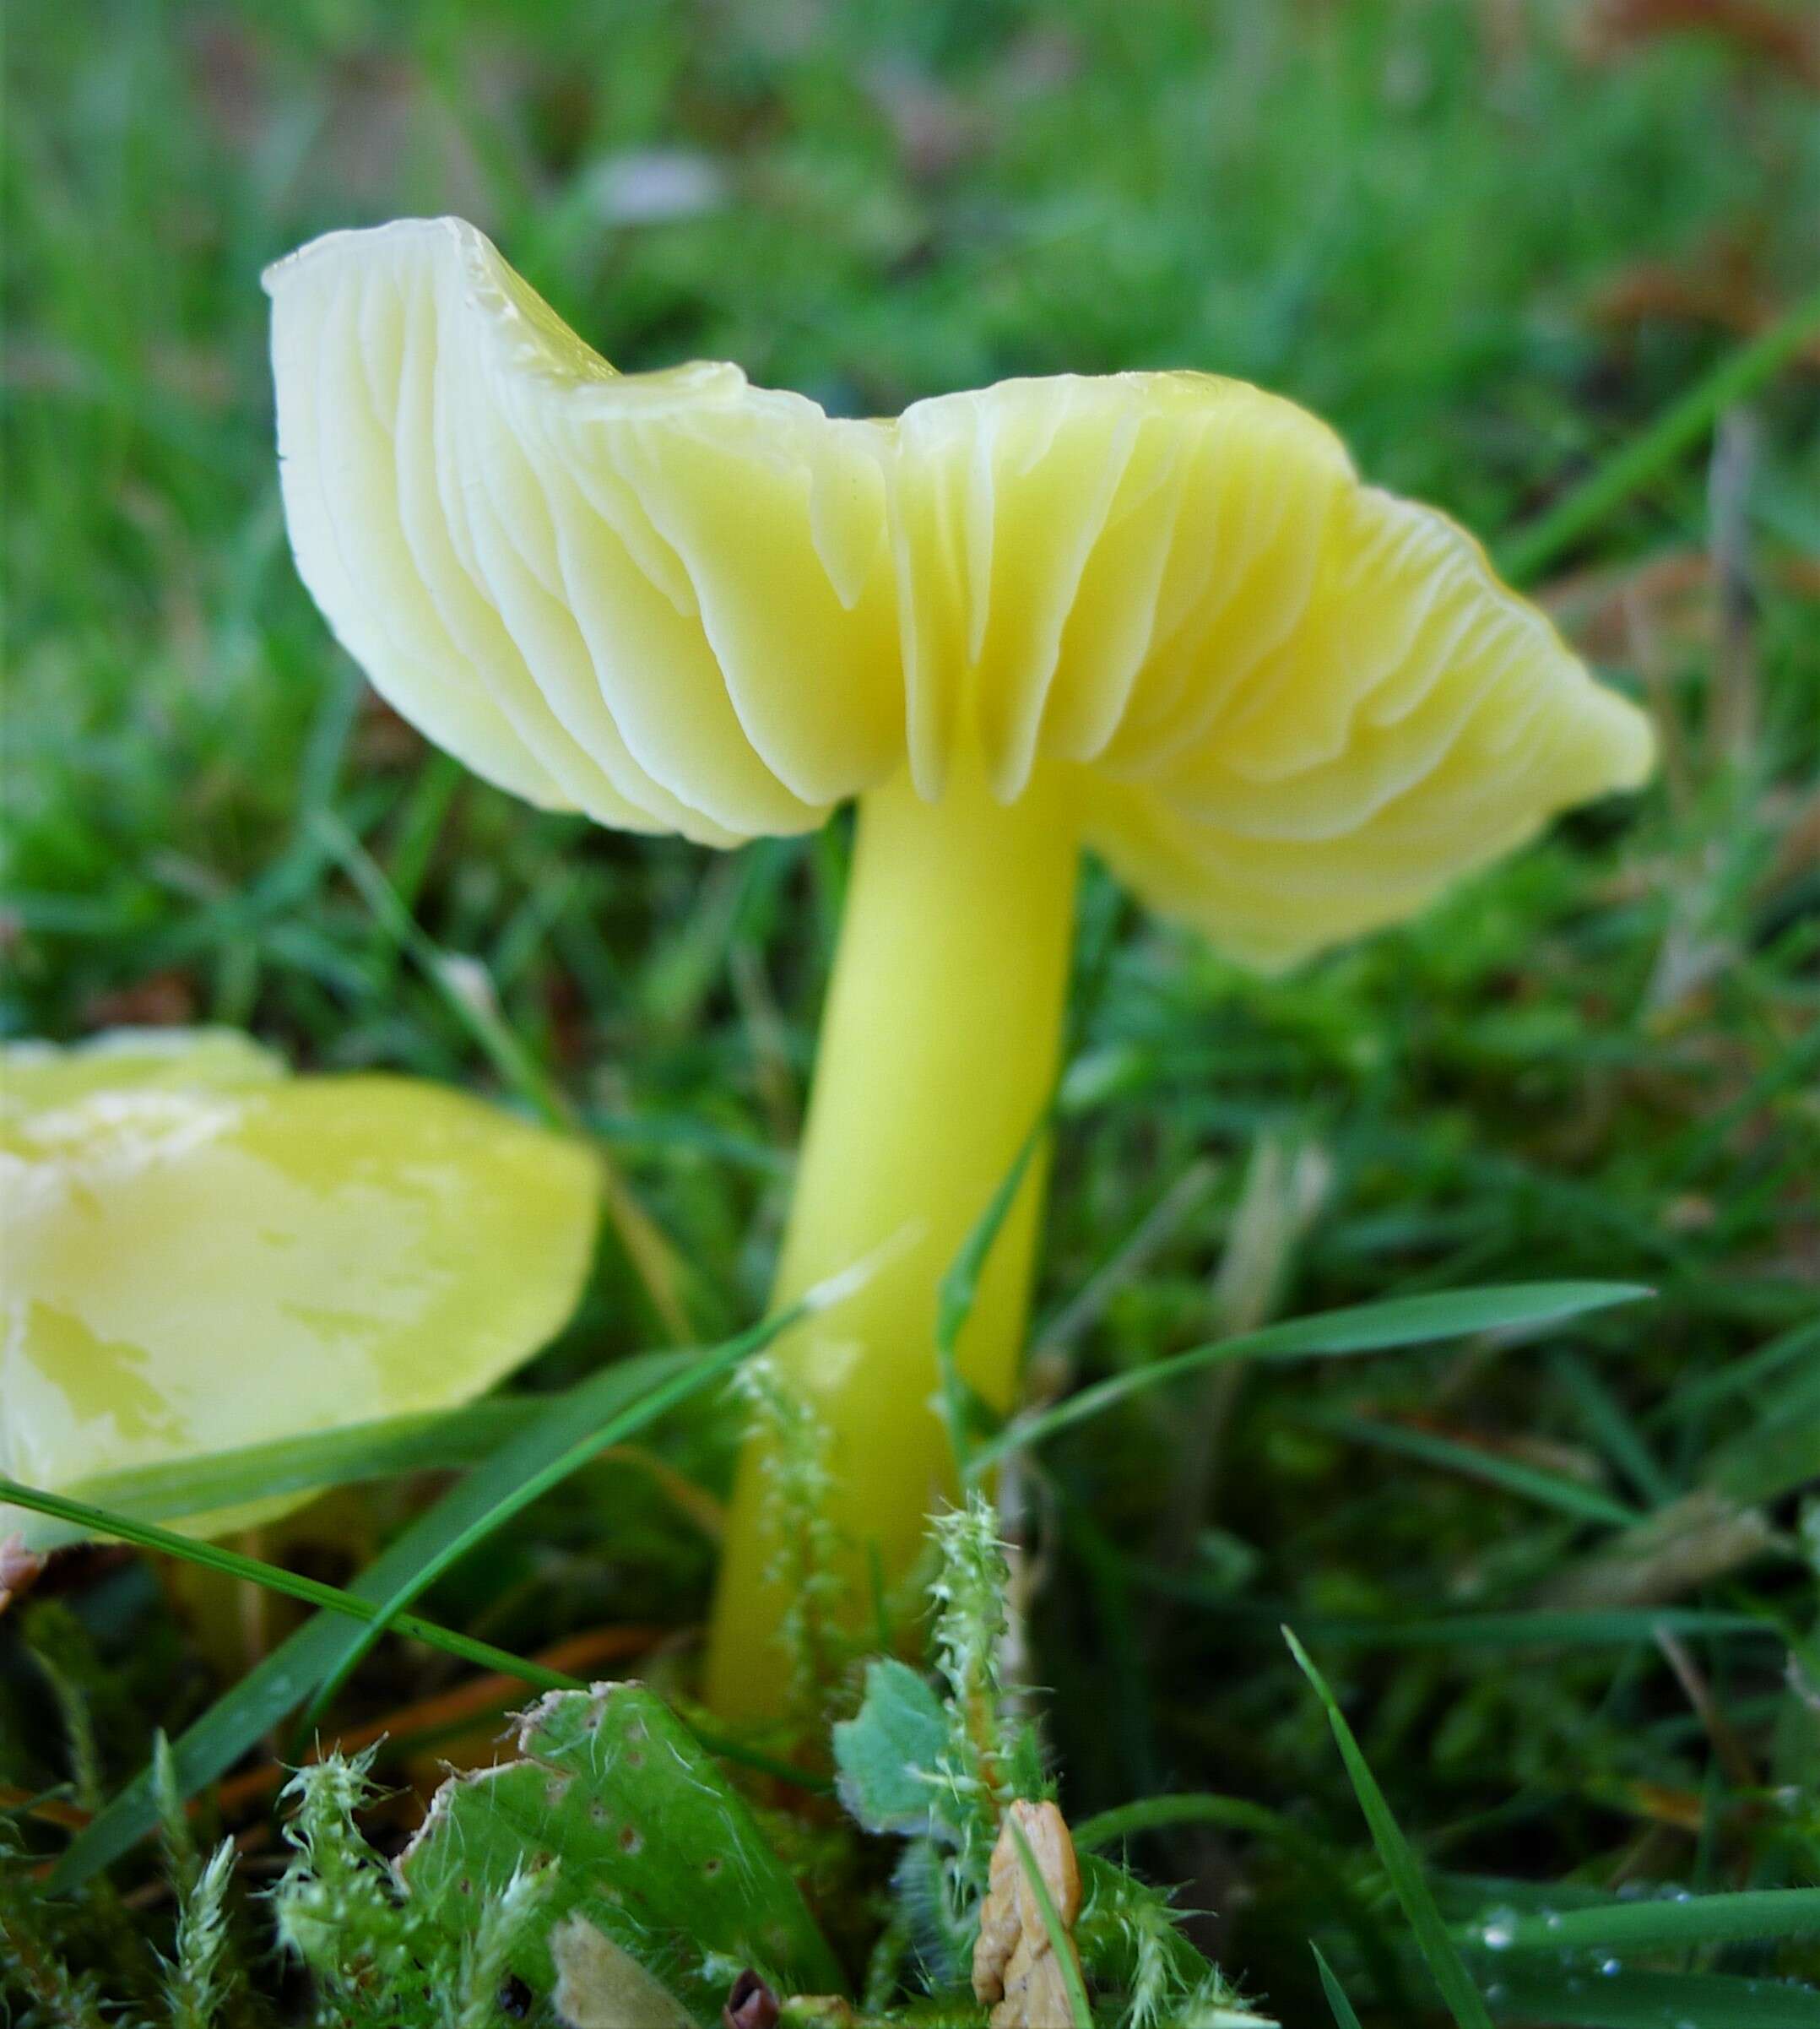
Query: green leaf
(1399, 1862)
(654, 1851)
(1344, 2016)
(886, 1753)
(1398, 1321)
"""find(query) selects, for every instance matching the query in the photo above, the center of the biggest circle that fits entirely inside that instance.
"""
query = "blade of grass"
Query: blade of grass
(1793, 1066)
(311, 1463)
(1655, 2000)
(1634, 464)
(1156, 1813)
(1766, 1463)
(653, 1258)
(1158, 1225)
(1397, 1321)
(334, 1600)
(1612, 1427)
(1549, 1490)
(1617, 1627)
(1241, 1813)
(1516, 1627)
(91, 1520)
(1344, 2016)
(602, 1410)
(1739, 1376)
(514, 1064)
(1432, 1936)
(960, 1285)
(1670, 1924)
(1061, 1943)
(1120, 1690)
(511, 1501)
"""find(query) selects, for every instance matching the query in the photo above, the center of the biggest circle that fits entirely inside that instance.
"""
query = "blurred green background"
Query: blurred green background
(1489, 239)
(1484, 239)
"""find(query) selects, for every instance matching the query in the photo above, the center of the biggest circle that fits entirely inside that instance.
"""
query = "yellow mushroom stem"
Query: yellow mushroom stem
(937, 1052)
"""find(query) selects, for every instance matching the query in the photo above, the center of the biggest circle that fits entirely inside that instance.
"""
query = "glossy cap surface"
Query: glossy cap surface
(198, 1251)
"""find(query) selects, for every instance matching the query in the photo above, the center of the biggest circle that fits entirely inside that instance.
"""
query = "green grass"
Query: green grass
(1597, 1063)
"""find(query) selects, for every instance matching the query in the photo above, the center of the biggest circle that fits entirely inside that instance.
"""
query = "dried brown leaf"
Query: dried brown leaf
(1014, 1965)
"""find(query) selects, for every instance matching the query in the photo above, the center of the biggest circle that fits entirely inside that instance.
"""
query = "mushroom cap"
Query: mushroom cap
(201, 1252)
(1297, 706)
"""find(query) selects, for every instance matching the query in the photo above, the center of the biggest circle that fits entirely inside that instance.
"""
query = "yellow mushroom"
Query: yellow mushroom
(1155, 616)
(201, 1252)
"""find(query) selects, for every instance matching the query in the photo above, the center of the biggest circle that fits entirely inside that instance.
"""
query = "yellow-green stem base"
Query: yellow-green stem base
(937, 1052)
